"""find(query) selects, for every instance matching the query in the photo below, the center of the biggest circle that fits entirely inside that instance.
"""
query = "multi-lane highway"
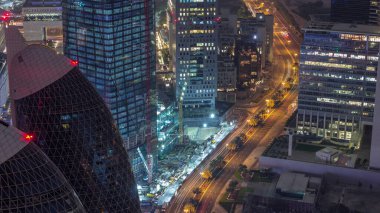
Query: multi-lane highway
(285, 53)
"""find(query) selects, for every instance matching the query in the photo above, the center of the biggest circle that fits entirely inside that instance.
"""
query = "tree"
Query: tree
(197, 191)
(206, 174)
(233, 184)
(242, 168)
(193, 201)
(218, 162)
(189, 208)
(269, 103)
(230, 190)
(238, 142)
(253, 122)
(231, 146)
(286, 85)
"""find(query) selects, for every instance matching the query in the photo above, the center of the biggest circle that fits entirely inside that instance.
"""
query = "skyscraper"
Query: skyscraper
(338, 70)
(54, 101)
(42, 21)
(196, 59)
(29, 180)
(113, 42)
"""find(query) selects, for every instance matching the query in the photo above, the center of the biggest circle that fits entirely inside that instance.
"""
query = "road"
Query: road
(285, 56)
(262, 136)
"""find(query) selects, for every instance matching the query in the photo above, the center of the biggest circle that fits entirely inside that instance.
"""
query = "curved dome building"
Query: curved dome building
(73, 126)
(29, 180)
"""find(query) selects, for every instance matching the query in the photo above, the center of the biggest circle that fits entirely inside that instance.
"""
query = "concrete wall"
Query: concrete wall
(35, 30)
(344, 174)
(374, 161)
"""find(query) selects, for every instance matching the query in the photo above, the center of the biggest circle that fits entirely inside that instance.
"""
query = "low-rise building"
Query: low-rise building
(43, 22)
(293, 192)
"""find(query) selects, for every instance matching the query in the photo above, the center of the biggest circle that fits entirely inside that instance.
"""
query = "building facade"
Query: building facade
(350, 11)
(338, 70)
(353, 11)
(226, 62)
(249, 59)
(226, 79)
(196, 60)
(52, 100)
(4, 80)
(43, 22)
(374, 8)
(30, 182)
(259, 30)
(114, 45)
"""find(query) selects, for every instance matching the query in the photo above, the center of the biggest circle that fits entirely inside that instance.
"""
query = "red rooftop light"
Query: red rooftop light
(28, 137)
(218, 19)
(74, 63)
(5, 16)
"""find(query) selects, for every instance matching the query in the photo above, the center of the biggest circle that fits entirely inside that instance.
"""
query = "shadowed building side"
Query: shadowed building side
(73, 126)
(29, 180)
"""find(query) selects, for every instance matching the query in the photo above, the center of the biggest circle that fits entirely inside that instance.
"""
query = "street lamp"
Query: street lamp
(212, 115)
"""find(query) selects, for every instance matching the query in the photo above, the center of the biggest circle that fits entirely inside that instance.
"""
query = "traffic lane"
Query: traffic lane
(192, 181)
(262, 137)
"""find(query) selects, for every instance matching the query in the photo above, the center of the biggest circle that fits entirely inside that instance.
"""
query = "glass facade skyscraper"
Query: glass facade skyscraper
(113, 42)
(52, 100)
(29, 180)
(338, 70)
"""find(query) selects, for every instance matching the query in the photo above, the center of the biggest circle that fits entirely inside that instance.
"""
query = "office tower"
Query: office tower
(250, 60)
(226, 79)
(54, 101)
(338, 69)
(196, 60)
(114, 44)
(226, 63)
(258, 31)
(355, 11)
(43, 22)
(29, 180)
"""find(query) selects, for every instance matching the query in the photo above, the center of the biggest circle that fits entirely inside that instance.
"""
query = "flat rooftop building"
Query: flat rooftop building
(292, 192)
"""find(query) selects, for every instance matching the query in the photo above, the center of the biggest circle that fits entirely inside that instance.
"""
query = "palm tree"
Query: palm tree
(242, 167)
(218, 162)
(197, 191)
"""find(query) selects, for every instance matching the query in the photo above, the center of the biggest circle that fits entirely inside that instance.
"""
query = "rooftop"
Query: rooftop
(12, 141)
(328, 150)
(31, 66)
(306, 147)
(292, 182)
(42, 3)
(342, 27)
(290, 186)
